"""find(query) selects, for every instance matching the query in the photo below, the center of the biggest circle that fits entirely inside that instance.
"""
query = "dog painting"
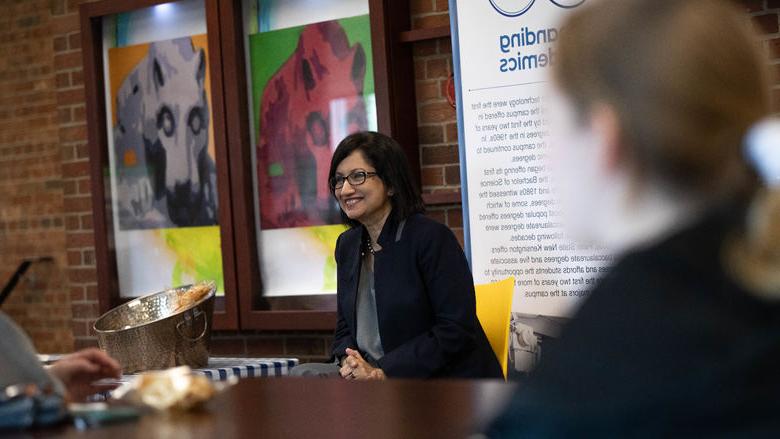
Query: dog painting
(165, 175)
(313, 100)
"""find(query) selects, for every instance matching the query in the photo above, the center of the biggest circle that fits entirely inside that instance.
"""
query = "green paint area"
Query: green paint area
(275, 170)
(198, 253)
(327, 235)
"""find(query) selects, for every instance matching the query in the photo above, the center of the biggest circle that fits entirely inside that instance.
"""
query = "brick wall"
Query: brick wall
(45, 208)
(31, 185)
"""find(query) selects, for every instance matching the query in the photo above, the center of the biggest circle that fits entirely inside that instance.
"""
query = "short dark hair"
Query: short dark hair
(391, 165)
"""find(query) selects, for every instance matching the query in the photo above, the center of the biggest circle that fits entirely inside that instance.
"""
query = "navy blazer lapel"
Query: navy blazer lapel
(353, 270)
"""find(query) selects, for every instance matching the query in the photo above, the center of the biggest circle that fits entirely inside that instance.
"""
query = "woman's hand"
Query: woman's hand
(79, 370)
(354, 367)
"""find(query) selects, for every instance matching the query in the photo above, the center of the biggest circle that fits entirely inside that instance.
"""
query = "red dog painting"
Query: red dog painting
(307, 107)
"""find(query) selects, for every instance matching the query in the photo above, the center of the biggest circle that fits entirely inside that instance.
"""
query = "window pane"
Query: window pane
(310, 73)
(163, 193)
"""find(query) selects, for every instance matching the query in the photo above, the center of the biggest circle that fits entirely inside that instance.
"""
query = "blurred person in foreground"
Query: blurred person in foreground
(654, 100)
(73, 376)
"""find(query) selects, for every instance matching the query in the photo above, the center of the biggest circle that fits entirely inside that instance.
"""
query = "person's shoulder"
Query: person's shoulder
(348, 238)
(423, 226)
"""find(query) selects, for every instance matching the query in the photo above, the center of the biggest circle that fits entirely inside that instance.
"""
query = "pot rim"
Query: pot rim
(211, 294)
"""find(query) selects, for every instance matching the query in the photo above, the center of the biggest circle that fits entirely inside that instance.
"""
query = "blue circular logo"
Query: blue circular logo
(512, 8)
(568, 4)
(516, 8)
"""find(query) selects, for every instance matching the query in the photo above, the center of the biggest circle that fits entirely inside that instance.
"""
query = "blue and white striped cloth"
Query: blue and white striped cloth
(221, 368)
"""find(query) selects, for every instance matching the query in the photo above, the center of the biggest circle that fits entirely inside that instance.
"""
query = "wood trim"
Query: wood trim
(109, 7)
(397, 120)
(430, 33)
(240, 150)
(394, 80)
(229, 318)
(442, 198)
(242, 185)
(91, 15)
(94, 85)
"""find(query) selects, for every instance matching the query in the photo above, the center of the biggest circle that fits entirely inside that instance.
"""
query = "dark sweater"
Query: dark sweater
(425, 302)
(667, 344)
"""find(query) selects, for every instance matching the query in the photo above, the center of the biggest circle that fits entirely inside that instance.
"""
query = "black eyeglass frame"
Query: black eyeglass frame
(355, 178)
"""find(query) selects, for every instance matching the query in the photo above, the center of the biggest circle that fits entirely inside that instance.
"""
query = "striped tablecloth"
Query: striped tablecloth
(221, 368)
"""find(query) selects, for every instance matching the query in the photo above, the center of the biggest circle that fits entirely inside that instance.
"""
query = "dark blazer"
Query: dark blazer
(666, 345)
(425, 302)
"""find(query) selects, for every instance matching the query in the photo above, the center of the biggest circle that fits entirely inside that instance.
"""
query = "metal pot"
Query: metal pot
(151, 333)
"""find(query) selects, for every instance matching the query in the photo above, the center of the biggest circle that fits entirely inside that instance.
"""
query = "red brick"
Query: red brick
(437, 68)
(75, 169)
(265, 346)
(74, 41)
(87, 221)
(70, 97)
(439, 155)
(64, 24)
(421, 6)
(81, 275)
(452, 175)
(437, 215)
(80, 328)
(80, 239)
(427, 91)
(436, 112)
(442, 5)
(77, 293)
(57, 7)
(73, 133)
(305, 346)
(430, 134)
(68, 60)
(91, 291)
(229, 347)
(425, 48)
(751, 5)
(74, 258)
(432, 176)
(85, 342)
(429, 21)
(85, 310)
(451, 132)
(774, 48)
(60, 44)
(78, 204)
(455, 218)
(767, 23)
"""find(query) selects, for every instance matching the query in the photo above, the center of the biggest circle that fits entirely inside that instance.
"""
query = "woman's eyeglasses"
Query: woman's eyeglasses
(355, 179)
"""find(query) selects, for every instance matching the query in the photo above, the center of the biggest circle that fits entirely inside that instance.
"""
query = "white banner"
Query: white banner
(503, 50)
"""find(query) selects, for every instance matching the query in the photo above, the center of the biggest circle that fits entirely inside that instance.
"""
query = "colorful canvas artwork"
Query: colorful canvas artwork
(165, 173)
(312, 86)
(313, 99)
(163, 166)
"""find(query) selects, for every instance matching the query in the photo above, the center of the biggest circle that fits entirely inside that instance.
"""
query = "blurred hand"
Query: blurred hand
(79, 370)
(354, 367)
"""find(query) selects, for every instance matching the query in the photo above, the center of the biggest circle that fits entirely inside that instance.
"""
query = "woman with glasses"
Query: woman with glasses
(406, 304)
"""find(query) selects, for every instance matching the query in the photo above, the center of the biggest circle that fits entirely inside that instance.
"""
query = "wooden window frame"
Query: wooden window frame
(394, 84)
(91, 16)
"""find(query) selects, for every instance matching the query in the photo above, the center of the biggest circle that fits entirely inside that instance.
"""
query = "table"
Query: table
(322, 408)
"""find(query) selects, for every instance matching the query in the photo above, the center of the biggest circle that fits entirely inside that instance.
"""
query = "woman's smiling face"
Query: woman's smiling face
(368, 202)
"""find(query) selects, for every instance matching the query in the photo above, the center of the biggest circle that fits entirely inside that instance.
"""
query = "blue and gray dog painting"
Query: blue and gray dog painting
(165, 175)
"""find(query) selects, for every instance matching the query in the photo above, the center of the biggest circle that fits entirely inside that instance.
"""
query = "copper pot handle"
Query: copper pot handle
(202, 333)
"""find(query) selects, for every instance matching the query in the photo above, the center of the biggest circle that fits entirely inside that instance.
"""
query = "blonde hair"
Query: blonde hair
(687, 83)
